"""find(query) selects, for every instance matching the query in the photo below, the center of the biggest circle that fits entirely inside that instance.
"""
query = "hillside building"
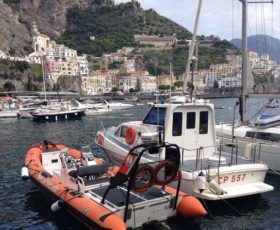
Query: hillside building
(156, 41)
(94, 83)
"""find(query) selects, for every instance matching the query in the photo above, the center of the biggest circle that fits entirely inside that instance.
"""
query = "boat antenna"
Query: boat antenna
(170, 95)
(191, 48)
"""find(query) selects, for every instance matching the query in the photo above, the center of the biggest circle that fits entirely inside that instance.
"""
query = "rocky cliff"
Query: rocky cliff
(17, 16)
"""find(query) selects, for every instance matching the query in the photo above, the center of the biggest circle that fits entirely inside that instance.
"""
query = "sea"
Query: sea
(23, 206)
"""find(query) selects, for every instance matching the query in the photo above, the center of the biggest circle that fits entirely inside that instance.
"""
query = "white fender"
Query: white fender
(201, 181)
(24, 173)
(56, 206)
(215, 187)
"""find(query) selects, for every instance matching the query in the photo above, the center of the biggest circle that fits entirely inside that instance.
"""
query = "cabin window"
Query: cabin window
(263, 136)
(156, 116)
(177, 124)
(203, 122)
(121, 131)
(191, 120)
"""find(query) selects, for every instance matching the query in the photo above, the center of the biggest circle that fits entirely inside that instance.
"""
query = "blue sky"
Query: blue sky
(219, 17)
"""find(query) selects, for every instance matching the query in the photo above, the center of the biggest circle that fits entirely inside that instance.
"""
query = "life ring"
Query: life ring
(146, 180)
(130, 135)
(164, 164)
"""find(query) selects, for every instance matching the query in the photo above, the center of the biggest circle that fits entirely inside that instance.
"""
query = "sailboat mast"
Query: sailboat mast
(244, 60)
(191, 48)
(44, 81)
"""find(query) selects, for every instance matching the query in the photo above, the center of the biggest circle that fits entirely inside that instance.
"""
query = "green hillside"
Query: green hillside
(114, 27)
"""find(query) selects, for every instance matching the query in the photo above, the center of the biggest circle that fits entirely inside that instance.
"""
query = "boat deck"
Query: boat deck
(117, 196)
(226, 160)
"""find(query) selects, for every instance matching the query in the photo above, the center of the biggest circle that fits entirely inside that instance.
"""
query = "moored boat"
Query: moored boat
(44, 114)
(113, 105)
(208, 172)
(97, 111)
(106, 197)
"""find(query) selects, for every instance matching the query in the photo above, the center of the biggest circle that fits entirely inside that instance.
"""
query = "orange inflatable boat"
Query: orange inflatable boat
(104, 197)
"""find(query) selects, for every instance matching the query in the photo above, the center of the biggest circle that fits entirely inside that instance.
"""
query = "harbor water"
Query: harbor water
(23, 206)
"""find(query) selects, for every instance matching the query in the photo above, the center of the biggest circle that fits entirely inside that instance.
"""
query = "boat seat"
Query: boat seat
(92, 170)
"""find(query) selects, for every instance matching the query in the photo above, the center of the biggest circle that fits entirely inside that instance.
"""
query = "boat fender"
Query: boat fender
(24, 173)
(201, 181)
(143, 179)
(130, 135)
(56, 206)
(170, 172)
(100, 139)
(215, 187)
(191, 207)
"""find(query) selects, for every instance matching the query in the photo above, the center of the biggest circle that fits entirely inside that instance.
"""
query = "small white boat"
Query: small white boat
(97, 111)
(131, 98)
(267, 120)
(114, 105)
(8, 109)
(9, 113)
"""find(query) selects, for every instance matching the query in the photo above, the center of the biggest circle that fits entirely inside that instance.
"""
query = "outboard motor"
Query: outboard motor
(87, 156)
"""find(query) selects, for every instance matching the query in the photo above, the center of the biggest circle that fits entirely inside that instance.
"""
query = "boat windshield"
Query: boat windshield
(156, 116)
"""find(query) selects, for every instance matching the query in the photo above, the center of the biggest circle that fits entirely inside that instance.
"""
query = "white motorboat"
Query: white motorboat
(9, 113)
(114, 105)
(97, 111)
(8, 109)
(207, 171)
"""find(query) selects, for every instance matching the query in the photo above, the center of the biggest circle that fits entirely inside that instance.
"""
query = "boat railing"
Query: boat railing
(231, 151)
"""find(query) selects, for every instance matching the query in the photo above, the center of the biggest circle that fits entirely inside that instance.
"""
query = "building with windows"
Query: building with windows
(94, 83)
(156, 41)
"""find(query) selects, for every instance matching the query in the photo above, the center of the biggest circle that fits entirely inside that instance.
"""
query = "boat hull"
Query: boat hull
(235, 181)
(59, 172)
(72, 115)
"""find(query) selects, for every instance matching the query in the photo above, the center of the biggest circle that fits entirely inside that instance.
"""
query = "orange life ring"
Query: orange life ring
(145, 183)
(168, 179)
(130, 135)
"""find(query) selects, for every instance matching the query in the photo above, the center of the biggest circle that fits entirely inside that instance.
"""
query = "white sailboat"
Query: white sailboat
(262, 133)
(207, 171)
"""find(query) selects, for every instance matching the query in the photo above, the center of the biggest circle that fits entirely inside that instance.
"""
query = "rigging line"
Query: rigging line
(264, 29)
(261, 110)
(232, 19)
(257, 26)
(272, 19)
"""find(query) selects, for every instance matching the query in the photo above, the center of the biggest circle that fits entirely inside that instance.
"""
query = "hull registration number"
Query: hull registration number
(232, 178)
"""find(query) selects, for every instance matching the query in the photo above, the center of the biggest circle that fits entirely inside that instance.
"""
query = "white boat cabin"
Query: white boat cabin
(190, 125)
